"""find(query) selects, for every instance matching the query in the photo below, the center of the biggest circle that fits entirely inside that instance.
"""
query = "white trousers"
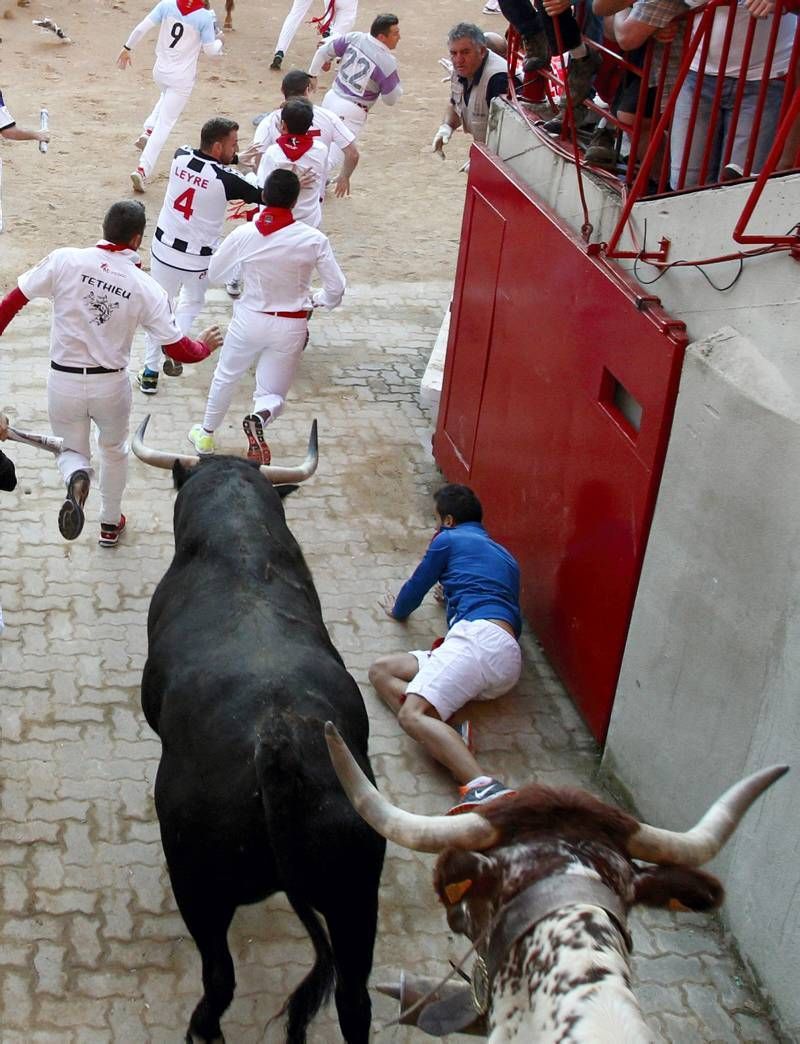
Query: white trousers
(351, 115)
(190, 290)
(160, 122)
(344, 18)
(274, 344)
(74, 400)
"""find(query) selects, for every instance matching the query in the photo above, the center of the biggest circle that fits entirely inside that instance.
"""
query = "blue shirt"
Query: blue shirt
(479, 577)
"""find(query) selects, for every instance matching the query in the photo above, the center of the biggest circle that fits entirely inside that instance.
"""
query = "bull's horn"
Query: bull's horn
(158, 458)
(29, 438)
(703, 841)
(274, 472)
(277, 474)
(422, 833)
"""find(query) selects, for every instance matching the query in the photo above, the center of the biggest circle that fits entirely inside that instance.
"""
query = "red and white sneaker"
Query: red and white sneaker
(110, 533)
(138, 180)
(257, 449)
(141, 141)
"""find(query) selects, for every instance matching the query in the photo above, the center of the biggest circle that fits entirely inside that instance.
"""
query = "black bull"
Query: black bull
(240, 676)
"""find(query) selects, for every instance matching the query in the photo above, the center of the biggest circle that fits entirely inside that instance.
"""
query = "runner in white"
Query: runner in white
(299, 149)
(332, 129)
(189, 230)
(269, 327)
(186, 27)
(368, 71)
(100, 296)
(338, 19)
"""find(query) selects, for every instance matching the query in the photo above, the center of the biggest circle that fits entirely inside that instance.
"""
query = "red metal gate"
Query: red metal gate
(559, 388)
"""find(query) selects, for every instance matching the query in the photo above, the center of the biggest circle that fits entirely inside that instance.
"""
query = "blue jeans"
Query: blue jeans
(742, 132)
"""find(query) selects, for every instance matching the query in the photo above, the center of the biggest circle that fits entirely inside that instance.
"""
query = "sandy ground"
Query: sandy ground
(402, 221)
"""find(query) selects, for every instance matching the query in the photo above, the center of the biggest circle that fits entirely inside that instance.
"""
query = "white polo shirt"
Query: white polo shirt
(308, 207)
(99, 298)
(332, 129)
(278, 268)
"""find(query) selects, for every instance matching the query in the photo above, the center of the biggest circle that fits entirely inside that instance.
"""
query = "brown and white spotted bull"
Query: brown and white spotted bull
(542, 883)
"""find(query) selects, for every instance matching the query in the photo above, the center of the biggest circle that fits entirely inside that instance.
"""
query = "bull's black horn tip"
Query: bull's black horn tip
(331, 730)
(143, 425)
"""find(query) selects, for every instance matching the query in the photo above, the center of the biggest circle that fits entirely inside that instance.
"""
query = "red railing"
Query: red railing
(702, 159)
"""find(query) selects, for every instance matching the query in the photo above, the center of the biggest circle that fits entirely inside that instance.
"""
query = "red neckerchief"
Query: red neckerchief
(116, 248)
(296, 145)
(187, 6)
(273, 219)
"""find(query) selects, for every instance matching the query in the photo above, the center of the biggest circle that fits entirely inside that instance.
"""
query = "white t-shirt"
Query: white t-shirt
(755, 67)
(6, 119)
(331, 127)
(308, 207)
(278, 268)
(99, 299)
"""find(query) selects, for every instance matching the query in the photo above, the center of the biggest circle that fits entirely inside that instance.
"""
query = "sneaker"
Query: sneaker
(147, 381)
(138, 180)
(731, 172)
(277, 58)
(602, 149)
(257, 119)
(202, 441)
(172, 368)
(258, 450)
(537, 51)
(580, 76)
(141, 141)
(110, 533)
(71, 517)
(234, 288)
(464, 730)
(474, 797)
(491, 7)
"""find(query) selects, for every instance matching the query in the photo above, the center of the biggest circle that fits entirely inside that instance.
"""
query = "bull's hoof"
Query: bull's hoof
(227, 24)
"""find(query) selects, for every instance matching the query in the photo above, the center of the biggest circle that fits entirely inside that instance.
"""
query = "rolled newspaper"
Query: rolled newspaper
(44, 124)
(47, 442)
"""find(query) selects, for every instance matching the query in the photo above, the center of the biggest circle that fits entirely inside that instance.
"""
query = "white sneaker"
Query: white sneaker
(201, 440)
(141, 141)
(234, 288)
(138, 180)
(492, 7)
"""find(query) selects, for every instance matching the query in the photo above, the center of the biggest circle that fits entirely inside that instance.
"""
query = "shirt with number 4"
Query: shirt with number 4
(180, 39)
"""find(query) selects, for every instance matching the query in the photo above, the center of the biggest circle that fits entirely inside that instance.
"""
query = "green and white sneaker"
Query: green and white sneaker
(147, 381)
(201, 440)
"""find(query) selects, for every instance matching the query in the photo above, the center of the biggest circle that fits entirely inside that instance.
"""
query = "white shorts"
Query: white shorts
(477, 661)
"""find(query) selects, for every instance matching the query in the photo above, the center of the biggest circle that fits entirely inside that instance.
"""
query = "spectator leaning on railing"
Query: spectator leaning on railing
(694, 138)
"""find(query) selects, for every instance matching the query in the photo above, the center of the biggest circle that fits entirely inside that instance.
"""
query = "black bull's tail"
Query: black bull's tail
(309, 823)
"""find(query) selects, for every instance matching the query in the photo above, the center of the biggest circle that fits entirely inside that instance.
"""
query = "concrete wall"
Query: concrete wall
(710, 682)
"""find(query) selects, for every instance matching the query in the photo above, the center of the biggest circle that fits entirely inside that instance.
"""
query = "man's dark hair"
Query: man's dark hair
(295, 83)
(382, 24)
(458, 501)
(123, 221)
(297, 114)
(215, 129)
(282, 189)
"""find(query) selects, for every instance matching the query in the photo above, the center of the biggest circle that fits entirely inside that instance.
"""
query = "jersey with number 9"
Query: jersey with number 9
(180, 40)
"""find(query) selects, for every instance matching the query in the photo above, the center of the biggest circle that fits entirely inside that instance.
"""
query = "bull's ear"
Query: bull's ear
(180, 473)
(459, 875)
(285, 490)
(678, 887)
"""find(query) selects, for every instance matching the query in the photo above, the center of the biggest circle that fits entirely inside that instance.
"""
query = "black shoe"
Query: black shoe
(537, 51)
(602, 149)
(276, 61)
(580, 76)
(172, 368)
(70, 517)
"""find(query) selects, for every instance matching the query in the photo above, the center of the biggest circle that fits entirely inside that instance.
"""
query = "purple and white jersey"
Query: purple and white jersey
(6, 119)
(368, 70)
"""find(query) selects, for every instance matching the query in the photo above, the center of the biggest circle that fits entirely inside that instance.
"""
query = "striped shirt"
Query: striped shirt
(368, 69)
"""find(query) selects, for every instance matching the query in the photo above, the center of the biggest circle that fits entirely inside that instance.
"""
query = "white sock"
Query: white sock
(479, 781)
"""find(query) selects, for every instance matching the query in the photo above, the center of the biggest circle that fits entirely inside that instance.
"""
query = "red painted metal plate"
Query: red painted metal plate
(556, 407)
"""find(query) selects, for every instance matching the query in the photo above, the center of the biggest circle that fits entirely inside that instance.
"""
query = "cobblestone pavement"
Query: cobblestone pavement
(92, 948)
